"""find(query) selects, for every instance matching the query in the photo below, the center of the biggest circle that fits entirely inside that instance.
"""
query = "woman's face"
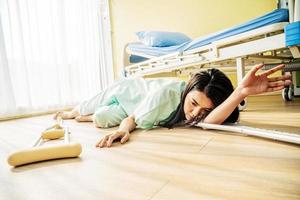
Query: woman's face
(195, 104)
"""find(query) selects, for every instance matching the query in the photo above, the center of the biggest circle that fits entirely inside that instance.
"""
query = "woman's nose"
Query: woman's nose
(196, 111)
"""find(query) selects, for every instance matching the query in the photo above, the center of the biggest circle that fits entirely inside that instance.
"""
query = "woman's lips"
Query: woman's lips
(188, 117)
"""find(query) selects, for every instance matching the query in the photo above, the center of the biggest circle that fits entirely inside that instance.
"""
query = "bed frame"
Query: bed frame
(266, 44)
(262, 45)
(251, 44)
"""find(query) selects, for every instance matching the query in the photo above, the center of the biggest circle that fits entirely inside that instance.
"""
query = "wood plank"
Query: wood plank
(181, 163)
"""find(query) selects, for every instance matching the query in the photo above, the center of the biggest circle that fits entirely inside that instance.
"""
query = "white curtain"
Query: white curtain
(53, 53)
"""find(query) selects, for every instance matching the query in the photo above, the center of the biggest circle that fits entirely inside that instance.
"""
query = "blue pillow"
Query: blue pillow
(161, 38)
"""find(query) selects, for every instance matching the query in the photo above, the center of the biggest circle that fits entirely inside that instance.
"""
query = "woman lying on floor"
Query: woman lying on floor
(145, 103)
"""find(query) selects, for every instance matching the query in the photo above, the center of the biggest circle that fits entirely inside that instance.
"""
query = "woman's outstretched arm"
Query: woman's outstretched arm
(126, 127)
(251, 84)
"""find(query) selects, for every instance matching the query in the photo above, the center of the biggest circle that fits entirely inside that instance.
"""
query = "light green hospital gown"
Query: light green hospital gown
(151, 101)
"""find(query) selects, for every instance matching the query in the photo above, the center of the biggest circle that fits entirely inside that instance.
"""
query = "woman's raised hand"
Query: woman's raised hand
(254, 83)
(108, 139)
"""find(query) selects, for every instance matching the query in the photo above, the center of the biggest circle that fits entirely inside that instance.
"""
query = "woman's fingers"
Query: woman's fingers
(280, 83)
(99, 142)
(107, 140)
(280, 78)
(125, 138)
(275, 69)
(103, 141)
(272, 89)
(112, 138)
(256, 68)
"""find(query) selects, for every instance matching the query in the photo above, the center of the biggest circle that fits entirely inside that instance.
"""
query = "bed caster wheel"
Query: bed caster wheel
(287, 94)
(243, 105)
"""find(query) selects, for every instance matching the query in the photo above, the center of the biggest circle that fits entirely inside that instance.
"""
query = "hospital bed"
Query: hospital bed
(260, 40)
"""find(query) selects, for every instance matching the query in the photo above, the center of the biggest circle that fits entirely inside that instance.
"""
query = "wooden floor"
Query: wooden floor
(162, 164)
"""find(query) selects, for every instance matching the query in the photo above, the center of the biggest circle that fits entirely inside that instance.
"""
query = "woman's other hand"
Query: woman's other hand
(254, 83)
(107, 140)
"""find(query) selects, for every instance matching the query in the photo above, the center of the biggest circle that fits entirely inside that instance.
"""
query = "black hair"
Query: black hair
(215, 85)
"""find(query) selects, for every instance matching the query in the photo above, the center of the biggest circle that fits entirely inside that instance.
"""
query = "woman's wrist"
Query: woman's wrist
(240, 90)
(127, 125)
(124, 131)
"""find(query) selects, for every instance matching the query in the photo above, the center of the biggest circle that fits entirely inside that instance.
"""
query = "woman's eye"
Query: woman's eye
(193, 103)
(207, 111)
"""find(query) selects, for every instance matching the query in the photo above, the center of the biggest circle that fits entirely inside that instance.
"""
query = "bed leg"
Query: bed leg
(240, 69)
(240, 73)
(295, 50)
